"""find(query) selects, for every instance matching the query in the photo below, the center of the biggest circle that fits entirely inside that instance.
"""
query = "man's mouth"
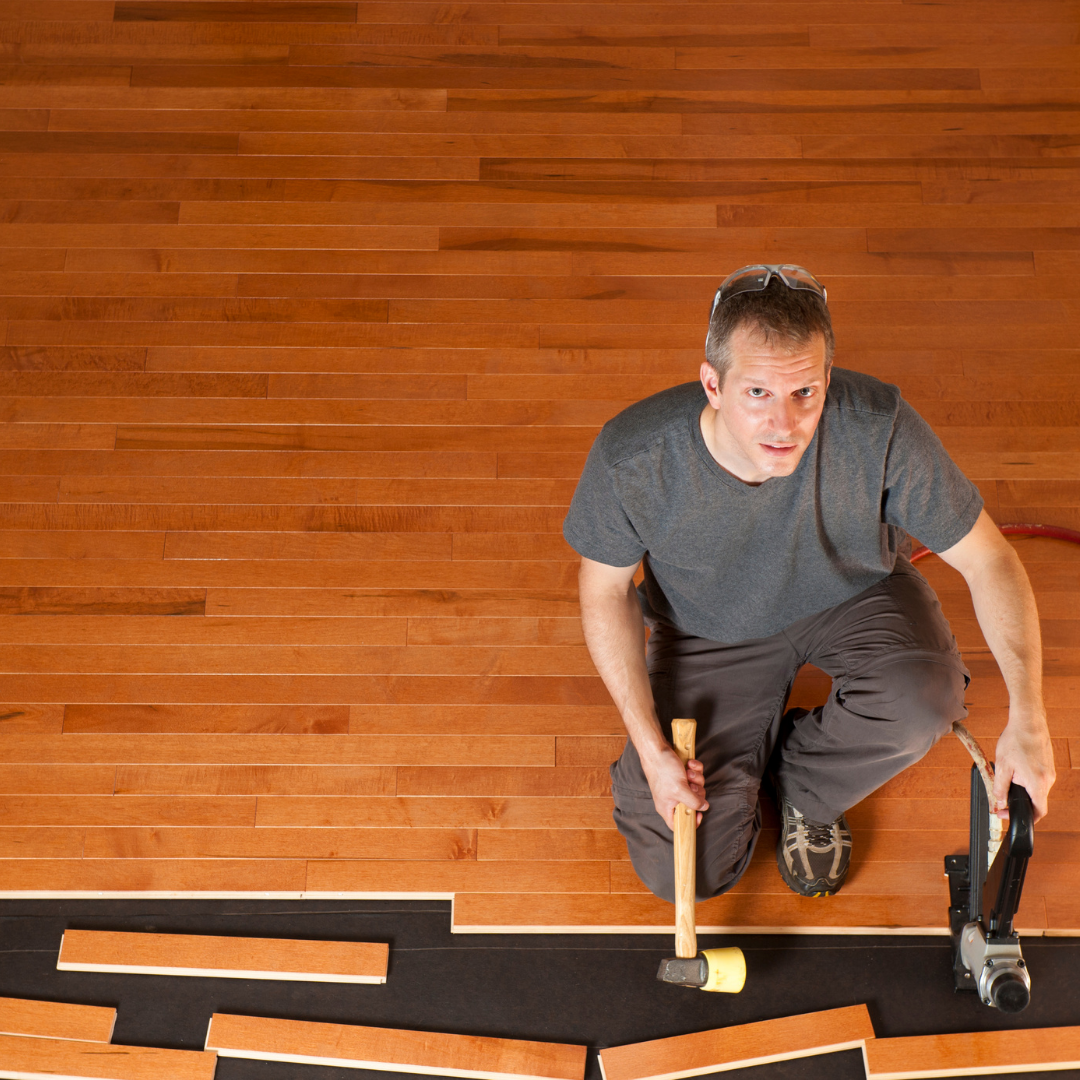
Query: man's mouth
(778, 449)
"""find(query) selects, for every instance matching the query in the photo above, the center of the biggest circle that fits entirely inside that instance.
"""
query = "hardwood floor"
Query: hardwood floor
(310, 312)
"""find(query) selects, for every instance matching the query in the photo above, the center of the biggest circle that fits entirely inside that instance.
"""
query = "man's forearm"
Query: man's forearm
(1009, 620)
(615, 635)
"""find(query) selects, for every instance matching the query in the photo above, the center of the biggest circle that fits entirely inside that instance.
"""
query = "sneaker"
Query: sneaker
(813, 858)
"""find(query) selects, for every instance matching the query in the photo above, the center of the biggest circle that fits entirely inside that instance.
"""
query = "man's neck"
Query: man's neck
(707, 424)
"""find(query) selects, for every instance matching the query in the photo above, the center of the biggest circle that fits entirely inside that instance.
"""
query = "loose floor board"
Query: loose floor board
(56, 1020)
(223, 957)
(740, 1047)
(66, 1059)
(392, 1050)
(977, 1053)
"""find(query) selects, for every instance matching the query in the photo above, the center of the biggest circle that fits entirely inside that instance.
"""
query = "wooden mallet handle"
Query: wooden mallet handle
(683, 733)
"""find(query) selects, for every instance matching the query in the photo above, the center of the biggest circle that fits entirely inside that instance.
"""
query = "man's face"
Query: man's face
(760, 424)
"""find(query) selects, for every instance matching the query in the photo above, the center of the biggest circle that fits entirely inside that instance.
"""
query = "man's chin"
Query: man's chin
(779, 464)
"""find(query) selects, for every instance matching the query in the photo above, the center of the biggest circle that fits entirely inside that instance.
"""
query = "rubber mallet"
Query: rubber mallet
(722, 970)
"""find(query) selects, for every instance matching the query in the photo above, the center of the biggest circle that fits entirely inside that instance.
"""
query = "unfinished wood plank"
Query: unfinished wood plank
(48, 1059)
(223, 957)
(392, 1050)
(977, 1053)
(741, 1046)
(56, 1020)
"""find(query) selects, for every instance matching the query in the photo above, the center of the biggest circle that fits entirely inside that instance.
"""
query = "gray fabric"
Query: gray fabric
(730, 561)
(898, 683)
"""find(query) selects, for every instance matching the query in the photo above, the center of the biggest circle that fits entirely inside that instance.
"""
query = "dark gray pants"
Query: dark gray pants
(898, 684)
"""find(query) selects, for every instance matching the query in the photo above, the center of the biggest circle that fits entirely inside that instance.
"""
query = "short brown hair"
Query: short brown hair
(793, 316)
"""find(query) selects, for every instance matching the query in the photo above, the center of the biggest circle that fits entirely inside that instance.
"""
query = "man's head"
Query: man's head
(767, 370)
(788, 316)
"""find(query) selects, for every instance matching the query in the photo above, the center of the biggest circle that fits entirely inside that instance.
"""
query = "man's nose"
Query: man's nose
(784, 418)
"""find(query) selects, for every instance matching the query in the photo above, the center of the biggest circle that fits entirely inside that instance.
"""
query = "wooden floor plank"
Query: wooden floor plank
(424, 879)
(309, 326)
(56, 1020)
(454, 758)
(58, 810)
(315, 780)
(741, 1046)
(427, 846)
(981, 1053)
(31, 1059)
(223, 957)
(749, 913)
(249, 719)
(387, 1049)
(167, 877)
(471, 812)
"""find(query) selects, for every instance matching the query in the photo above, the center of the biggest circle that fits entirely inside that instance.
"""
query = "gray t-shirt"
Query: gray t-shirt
(730, 561)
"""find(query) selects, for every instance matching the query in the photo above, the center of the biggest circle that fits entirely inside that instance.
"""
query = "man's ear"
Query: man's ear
(711, 381)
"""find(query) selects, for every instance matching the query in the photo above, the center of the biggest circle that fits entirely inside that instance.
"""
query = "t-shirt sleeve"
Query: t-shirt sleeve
(596, 525)
(926, 494)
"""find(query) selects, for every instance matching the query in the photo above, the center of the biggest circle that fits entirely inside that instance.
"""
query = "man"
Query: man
(770, 507)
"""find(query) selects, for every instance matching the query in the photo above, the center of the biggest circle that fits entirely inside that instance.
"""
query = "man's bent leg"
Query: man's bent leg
(736, 694)
(898, 684)
(725, 838)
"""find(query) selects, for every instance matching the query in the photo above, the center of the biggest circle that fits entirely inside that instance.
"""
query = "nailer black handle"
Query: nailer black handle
(1005, 879)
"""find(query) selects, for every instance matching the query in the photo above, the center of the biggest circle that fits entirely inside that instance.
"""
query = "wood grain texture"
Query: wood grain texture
(223, 957)
(755, 912)
(739, 1047)
(981, 1053)
(307, 325)
(56, 1020)
(387, 1049)
(30, 1059)
(165, 877)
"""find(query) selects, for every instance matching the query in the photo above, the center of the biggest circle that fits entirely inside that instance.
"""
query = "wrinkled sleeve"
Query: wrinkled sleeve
(596, 525)
(926, 494)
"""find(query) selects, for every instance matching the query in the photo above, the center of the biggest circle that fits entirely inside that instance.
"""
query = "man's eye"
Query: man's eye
(757, 391)
(806, 391)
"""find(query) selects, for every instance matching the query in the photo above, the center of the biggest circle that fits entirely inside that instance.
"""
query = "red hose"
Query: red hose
(1055, 532)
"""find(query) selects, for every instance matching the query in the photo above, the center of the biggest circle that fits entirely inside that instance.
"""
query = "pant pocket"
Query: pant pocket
(633, 802)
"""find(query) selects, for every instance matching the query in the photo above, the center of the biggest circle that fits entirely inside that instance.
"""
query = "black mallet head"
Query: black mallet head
(722, 970)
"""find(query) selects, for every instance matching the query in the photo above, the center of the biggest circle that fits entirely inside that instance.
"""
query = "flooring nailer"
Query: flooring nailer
(984, 892)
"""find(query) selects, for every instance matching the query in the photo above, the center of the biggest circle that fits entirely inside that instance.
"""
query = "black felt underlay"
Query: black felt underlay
(597, 989)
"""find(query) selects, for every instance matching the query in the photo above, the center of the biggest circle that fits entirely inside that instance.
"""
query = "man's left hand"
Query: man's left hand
(1024, 756)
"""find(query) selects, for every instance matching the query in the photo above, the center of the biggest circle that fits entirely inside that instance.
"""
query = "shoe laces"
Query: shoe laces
(818, 835)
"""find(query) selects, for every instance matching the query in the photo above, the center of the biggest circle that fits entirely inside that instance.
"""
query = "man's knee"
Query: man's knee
(724, 848)
(923, 696)
(657, 874)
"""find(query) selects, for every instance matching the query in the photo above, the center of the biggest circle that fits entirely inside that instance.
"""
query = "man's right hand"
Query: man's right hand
(672, 783)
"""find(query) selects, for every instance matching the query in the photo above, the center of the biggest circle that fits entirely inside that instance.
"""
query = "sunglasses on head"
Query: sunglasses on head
(756, 278)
